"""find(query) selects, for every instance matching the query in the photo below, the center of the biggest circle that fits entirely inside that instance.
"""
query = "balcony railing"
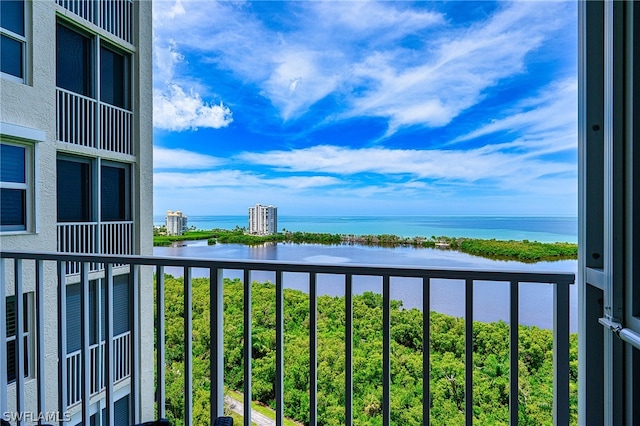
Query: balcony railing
(112, 238)
(115, 129)
(215, 268)
(114, 16)
(121, 367)
(77, 116)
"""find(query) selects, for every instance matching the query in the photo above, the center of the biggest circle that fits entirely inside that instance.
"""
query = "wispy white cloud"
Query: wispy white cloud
(165, 158)
(551, 114)
(344, 49)
(487, 162)
(239, 180)
(176, 110)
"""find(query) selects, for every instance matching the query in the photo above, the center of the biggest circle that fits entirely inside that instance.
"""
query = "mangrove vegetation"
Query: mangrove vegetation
(523, 251)
(447, 360)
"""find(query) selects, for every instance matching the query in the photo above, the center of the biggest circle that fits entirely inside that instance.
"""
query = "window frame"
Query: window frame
(27, 335)
(93, 206)
(127, 190)
(92, 77)
(28, 187)
(23, 40)
(127, 75)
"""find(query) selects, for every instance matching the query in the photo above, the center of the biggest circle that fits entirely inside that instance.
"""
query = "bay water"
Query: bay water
(491, 299)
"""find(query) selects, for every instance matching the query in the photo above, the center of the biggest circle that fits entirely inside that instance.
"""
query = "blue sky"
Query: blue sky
(357, 107)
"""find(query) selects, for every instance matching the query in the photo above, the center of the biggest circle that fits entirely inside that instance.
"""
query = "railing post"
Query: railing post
(160, 345)
(513, 353)
(108, 356)
(468, 338)
(561, 354)
(62, 339)
(40, 368)
(313, 350)
(216, 333)
(133, 351)
(348, 342)
(386, 351)
(279, 350)
(3, 338)
(84, 332)
(20, 349)
(188, 348)
(426, 350)
(248, 345)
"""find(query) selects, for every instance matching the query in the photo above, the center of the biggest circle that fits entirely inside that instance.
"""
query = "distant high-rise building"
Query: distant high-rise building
(263, 220)
(176, 222)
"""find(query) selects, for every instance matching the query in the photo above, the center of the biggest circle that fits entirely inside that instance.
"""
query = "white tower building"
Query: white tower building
(263, 220)
(175, 222)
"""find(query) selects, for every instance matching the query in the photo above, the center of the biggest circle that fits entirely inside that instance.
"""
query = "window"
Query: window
(74, 190)
(15, 181)
(115, 192)
(12, 39)
(121, 311)
(11, 336)
(115, 78)
(73, 61)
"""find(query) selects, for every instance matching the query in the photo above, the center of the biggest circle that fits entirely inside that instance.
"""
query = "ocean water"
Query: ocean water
(533, 228)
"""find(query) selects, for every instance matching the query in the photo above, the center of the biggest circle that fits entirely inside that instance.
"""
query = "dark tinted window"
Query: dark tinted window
(12, 16)
(121, 306)
(12, 209)
(73, 61)
(114, 78)
(10, 56)
(74, 191)
(12, 163)
(11, 332)
(114, 194)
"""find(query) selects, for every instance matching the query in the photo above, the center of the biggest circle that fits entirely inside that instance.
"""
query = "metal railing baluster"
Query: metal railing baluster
(216, 330)
(468, 339)
(348, 343)
(386, 351)
(248, 346)
(19, 324)
(313, 349)
(109, 357)
(40, 314)
(279, 350)
(426, 350)
(513, 352)
(560, 354)
(160, 351)
(84, 333)
(62, 339)
(188, 348)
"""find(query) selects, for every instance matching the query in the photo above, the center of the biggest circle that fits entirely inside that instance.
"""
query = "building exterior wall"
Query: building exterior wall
(30, 117)
(263, 220)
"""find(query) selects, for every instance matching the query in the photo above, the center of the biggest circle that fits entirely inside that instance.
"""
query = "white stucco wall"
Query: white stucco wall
(32, 106)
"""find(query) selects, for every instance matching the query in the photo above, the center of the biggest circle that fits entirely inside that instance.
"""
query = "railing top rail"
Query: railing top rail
(108, 105)
(75, 223)
(60, 89)
(561, 278)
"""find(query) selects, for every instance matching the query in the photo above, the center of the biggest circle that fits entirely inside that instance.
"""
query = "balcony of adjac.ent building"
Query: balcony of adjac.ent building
(98, 368)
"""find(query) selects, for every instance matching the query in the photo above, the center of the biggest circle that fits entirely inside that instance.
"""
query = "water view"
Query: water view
(447, 296)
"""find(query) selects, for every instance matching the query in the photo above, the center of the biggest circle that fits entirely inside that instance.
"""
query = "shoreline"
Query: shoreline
(519, 250)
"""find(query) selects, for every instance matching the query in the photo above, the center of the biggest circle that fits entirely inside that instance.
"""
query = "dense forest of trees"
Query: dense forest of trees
(490, 375)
